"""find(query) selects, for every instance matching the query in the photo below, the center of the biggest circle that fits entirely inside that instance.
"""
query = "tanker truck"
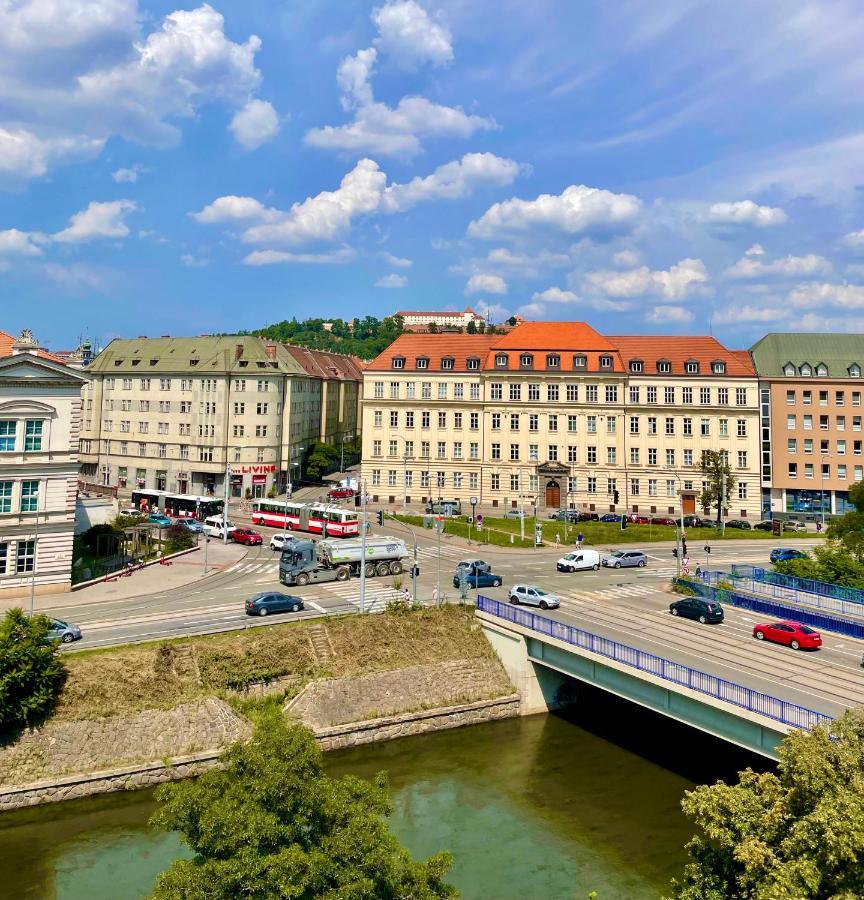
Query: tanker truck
(308, 562)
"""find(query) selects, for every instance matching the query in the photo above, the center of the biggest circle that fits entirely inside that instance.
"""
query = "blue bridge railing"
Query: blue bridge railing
(701, 682)
(804, 585)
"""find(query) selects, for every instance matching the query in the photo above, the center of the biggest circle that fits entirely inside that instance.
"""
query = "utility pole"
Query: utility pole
(363, 556)
(404, 482)
(225, 507)
(521, 509)
(722, 501)
(440, 525)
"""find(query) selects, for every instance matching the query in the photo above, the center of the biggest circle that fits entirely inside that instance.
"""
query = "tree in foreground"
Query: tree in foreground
(719, 481)
(31, 675)
(271, 824)
(797, 834)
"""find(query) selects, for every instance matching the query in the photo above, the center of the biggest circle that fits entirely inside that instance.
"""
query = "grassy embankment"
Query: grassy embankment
(123, 680)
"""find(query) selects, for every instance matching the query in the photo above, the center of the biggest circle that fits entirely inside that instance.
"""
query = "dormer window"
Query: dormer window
(398, 362)
(822, 370)
(422, 362)
(526, 361)
(448, 362)
(473, 363)
(636, 365)
(854, 371)
(605, 362)
(501, 360)
(806, 369)
(789, 370)
(718, 367)
(153, 362)
(553, 361)
(579, 362)
(664, 367)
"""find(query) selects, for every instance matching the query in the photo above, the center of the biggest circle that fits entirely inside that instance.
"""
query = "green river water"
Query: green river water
(545, 807)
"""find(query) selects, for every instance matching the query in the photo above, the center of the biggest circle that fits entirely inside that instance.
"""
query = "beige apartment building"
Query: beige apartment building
(557, 415)
(40, 415)
(176, 413)
(813, 446)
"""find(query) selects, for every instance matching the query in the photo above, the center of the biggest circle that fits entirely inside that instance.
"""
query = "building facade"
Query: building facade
(40, 416)
(185, 414)
(420, 320)
(557, 415)
(813, 444)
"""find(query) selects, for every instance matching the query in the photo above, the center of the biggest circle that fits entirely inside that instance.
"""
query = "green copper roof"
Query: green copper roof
(838, 352)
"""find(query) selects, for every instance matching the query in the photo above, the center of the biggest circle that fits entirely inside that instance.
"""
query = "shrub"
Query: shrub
(177, 538)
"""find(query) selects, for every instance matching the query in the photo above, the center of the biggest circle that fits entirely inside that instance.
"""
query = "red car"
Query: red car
(340, 493)
(639, 520)
(663, 520)
(792, 634)
(245, 536)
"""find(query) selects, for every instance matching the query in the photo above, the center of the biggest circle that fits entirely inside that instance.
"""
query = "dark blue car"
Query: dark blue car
(476, 579)
(272, 601)
(610, 517)
(782, 554)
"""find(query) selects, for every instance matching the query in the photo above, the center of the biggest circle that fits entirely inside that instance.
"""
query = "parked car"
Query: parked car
(565, 515)
(792, 634)
(532, 595)
(64, 631)
(272, 601)
(246, 536)
(477, 579)
(474, 565)
(515, 514)
(764, 525)
(741, 524)
(639, 520)
(794, 526)
(697, 608)
(578, 559)
(340, 493)
(781, 554)
(620, 559)
(588, 517)
(281, 541)
(215, 527)
(158, 519)
(663, 520)
(192, 525)
(130, 511)
(610, 517)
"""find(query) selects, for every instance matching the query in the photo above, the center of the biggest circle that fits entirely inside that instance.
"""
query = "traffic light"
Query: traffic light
(707, 548)
(615, 496)
(683, 547)
(675, 552)
(380, 516)
(357, 500)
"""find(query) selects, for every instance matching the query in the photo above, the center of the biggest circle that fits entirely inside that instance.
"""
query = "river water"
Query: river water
(546, 806)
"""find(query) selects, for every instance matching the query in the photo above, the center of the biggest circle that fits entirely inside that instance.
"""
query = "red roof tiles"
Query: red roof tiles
(6, 342)
(434, 347)
(679, 349)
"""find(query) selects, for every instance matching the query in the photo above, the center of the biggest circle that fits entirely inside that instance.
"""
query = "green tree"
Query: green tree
(31, 674)
(832, 562)
(320, 459)
(849, 529)
(472, 327)
(797, 834)
(177, 538)
(433, 328)
(271, 824)
(714, 465)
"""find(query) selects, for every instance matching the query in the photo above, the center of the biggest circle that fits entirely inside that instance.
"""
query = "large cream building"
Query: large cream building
(174, 413)
(556, 414)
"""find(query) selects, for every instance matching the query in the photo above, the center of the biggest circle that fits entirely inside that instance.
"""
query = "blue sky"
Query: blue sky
(661, 167)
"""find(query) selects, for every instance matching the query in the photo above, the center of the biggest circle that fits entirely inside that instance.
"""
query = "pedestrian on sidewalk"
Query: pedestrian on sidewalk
(579, 539)
(557, 540)
(406, 597)
(435, 595)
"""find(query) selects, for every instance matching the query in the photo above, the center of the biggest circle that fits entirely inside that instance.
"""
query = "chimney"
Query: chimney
(238, 352)
(270, 349)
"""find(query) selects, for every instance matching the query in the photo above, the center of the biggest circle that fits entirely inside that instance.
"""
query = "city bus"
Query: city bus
(312, 517)
(178, 505)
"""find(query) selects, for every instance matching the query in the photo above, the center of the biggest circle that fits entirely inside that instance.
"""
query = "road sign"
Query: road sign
(479, 519)
(473, 501)
(685, 569)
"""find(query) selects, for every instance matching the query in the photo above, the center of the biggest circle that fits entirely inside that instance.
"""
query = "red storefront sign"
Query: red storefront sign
(259, 479)
(262, 469)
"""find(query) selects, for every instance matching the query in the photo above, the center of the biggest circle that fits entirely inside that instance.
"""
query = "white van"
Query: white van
(213, 527)
(579, 559)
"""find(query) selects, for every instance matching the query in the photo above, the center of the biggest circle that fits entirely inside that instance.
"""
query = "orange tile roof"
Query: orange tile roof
(7, 340)
(435, 347)
(566, 339)
(678, 349)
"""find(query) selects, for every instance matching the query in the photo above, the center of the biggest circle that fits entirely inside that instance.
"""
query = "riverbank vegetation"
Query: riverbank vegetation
(796, 833)
(271, 823)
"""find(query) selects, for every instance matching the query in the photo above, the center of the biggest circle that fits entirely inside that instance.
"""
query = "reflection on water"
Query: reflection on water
(536, 807)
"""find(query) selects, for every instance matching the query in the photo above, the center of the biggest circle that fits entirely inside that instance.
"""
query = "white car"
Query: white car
(280, 541)
(532, 595)
(579, 559)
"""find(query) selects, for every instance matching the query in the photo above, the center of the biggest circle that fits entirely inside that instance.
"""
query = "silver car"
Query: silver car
(281, 541)
(515, 514)
(64, 631)
(531, 595)
(620, 559)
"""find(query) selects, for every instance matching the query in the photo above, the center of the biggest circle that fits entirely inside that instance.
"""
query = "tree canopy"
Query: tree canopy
(720, 481)
(849, 528)
(365, 337)
(271, 824)
(793, 834)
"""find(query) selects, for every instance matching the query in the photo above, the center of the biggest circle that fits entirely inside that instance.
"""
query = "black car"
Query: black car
(698, 522)
(475, 579)
(703, 611)
(272, 601)
(589, 517)
(764, 526)
(741, 524)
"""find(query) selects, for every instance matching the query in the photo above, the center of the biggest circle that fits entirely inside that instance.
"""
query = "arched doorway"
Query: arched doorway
(553, 495)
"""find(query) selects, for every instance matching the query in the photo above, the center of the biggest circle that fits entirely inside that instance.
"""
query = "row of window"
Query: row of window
(160, 451)
(27, 434)
(571, 393)
(807, 398)
(824, 422)
(824, 446)
(825, 471)
(820, 370)
(183, 428)
(19, 561)
(21, 496)
(167, 384)
(206, 408)
(553, 361)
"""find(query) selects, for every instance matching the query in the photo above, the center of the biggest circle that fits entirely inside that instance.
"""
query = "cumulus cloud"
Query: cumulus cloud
(277, 257)
(194, 262)
(129, 175)
(674, 315)
(748, 313)
(554, 295)
(486, 284)
(576, 210)
(751, 265)
(392, 281)
(674, 283)
(855, 240)
(354, 76)
(746, 212)
(24, 155)
(398, 262)
(18, 243)
(409, 36)
(818, 294)
(232, 208)
(626, 259)
(255, 124)
(98, 220)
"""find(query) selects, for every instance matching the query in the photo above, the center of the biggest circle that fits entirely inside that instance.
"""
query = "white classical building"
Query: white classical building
(40, 416)
(420, 320)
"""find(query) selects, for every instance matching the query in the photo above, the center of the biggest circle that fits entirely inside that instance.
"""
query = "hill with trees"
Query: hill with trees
(364, 338)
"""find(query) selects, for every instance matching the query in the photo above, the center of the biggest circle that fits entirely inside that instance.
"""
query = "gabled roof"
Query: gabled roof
(434, 347)
(7, 340)
(325, 364)
(678, 350)
(40, 368)
(567, 339)
(837, 351)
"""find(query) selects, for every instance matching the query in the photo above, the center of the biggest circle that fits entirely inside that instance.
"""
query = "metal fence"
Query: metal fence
(804, 585)
(701, 682)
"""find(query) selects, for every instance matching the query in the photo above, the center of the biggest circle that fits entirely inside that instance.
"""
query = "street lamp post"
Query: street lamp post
(363, 554)
(822, 498)
(404, 482)
(521, 509)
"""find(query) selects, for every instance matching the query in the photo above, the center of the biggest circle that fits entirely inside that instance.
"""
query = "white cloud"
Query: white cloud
(130, 175)
(232, 208)
(255, 124)
(746, 212)
(577, 210)
(408, 35)
(392, 281)
(751, 266)
(627, 259)
(819, 294)
(531, 310)
(675, 315)
(23, 155)
(17, 243)
(675, 283)
(354, 75)
(855, 240)
(755, 250)
(194, 262)
(275, 257)
(486, 284)
(554, 295)
(98, 220)
(815, 322)
(732, 315)
(398, 262)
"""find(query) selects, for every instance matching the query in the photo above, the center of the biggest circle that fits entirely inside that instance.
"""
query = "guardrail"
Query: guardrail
(805, 585)
(702, 682)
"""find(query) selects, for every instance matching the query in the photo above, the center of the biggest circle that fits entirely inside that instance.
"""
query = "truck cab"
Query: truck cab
(299, 565)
